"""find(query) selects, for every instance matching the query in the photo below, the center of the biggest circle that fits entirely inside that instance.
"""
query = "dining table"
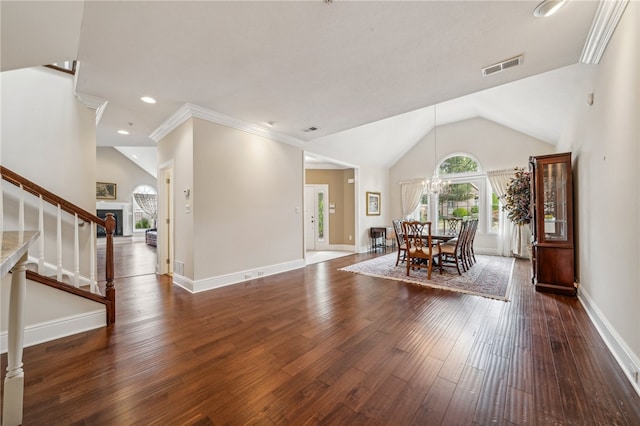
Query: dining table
(438, 238)
(442, 238)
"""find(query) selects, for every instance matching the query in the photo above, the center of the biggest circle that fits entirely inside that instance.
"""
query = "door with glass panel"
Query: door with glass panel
(316, 216)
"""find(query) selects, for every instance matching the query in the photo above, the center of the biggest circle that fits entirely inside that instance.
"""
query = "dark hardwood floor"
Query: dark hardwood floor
(320, 346)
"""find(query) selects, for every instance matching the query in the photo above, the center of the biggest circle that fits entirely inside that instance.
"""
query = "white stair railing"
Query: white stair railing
(76, 279)
(76, 218)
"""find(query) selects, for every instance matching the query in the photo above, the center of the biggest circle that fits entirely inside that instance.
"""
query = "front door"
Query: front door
(316, 216)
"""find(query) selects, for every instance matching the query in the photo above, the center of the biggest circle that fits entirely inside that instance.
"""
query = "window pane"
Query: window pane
(320, 215)
(458, 164)
(460, 201)
(495, 212)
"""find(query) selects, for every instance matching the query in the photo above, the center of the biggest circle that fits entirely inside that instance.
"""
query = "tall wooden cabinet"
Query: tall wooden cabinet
(552, 224)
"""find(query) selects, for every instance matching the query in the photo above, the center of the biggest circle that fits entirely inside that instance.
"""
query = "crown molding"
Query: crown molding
(176, 119)
(90, 101)
(93, 102)
(604, 24)
(188, 111)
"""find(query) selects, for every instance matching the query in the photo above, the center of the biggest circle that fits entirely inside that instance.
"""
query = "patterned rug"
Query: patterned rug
(489, 277)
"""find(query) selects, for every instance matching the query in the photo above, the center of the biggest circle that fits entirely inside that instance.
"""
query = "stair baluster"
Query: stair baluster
(59, 244)
(41, 270)
(81, 217)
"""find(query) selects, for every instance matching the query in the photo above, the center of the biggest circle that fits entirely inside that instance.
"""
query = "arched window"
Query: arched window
(144, 201)
(467, 196)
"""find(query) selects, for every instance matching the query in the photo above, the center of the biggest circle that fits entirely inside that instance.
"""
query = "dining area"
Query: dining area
(450, 246)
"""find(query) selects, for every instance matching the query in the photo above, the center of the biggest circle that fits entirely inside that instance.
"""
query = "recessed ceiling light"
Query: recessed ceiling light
(123, 132)
(148, 99)
(548, 8)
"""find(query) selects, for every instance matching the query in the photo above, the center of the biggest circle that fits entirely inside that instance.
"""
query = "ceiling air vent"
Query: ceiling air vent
(310, 129)
(501, 66)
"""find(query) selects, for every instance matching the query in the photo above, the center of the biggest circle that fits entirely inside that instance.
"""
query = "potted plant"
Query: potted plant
(517, 198)
(517, 204)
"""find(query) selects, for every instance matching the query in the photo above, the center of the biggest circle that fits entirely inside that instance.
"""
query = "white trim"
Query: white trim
(188, 111)
(604, 24)
(619, 349)
(235, 277)
(58, 328)
(176, 119)
(50, 270)
(184, 282)
(94, 102)
(342, 247)
(90, 101)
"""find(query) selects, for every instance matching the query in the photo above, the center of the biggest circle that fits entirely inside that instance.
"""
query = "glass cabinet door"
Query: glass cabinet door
(554, 198)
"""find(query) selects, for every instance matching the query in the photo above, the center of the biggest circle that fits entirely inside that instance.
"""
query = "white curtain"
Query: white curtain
(411, 193)
(512, 238)
(149, 204)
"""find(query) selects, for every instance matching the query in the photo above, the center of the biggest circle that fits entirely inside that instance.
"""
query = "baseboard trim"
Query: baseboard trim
(236, 277)
(621, 352)
(342, 247)
(56, 329)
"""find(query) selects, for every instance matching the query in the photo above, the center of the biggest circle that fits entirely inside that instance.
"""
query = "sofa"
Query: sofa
(151, 237)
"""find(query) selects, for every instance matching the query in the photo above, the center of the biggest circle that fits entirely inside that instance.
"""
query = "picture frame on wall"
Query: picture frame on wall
(373, 204)
(106, 191)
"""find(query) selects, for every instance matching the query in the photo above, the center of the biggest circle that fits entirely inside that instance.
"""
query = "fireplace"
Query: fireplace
(117, 215)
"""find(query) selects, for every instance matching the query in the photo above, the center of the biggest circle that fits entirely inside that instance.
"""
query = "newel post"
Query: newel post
(110, 291)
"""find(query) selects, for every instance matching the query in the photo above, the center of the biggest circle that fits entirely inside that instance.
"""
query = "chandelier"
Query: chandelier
(436, 185)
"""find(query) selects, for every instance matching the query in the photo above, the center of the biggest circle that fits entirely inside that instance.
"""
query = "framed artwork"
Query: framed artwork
(373, 204)
(106, 191)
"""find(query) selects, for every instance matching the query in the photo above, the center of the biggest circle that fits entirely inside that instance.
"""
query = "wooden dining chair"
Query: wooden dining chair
(453, 252)
(420, 248)
(402, 247)
(470, 255)
(451, 225)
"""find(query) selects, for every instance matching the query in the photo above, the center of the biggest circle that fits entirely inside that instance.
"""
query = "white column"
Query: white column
(14, 381)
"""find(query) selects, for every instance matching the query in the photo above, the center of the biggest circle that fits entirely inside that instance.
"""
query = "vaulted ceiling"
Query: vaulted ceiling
(358, 71)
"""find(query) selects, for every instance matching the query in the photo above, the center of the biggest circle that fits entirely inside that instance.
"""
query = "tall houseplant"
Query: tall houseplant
(518, 198)
(517, 204)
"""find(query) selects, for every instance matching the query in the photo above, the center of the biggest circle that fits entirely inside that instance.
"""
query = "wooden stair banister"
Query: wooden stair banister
(109, 224)
(49, 197)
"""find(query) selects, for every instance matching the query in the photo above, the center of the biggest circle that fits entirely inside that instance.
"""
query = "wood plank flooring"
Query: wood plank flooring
(320, 346)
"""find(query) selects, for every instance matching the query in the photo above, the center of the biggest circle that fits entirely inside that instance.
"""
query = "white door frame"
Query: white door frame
(165, 223)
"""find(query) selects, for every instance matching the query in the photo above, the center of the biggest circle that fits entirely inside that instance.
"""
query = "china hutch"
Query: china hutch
(552, 224)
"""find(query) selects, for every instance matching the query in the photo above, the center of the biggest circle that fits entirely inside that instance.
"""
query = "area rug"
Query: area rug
(489, 277)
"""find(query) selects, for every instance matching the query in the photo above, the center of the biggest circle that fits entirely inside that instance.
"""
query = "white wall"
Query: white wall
(244, 215)
(371, 179)
(248, 201)
(496, 147)
(177, 148)
(604, 139)
(40, 111)
(112, 166)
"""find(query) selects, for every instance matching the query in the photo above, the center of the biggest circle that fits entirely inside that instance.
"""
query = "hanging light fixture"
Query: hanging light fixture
(436, 185)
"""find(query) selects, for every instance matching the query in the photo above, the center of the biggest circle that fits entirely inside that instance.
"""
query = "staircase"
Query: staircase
(48, 266)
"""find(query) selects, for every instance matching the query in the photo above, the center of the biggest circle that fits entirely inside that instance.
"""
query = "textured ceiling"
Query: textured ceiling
(336, 66)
